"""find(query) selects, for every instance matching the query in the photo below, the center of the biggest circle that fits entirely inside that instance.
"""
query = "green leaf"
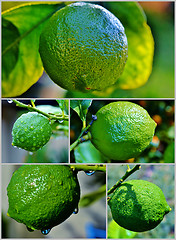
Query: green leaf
(21, 28)
(87, 153)
(63, 104)
(92, 197)
(117, 232)
(140, 44)
(169, 154)
(49, 109)
(81, 107)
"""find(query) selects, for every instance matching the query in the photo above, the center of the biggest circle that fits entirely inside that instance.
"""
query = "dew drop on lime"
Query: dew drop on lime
(30, 153)
(89, 173)
(76, 210)
(46, 231)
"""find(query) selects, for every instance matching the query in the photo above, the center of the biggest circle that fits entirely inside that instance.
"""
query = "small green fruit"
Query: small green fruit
(43, 196)
(83, 47)
(138, 205)
(122, 130)
(31, 131)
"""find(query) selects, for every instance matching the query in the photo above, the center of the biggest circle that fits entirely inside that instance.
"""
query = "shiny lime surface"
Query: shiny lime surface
(122, 130)
(31, 131)
(42, 196)
(83, 47)
(138, 205)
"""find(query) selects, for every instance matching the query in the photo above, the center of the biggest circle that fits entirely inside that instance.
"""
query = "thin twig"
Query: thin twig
(50, 116)
(127, 174)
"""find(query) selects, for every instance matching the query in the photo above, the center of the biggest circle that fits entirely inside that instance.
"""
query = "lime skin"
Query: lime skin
(83, 47)
(138, 205)
(43, 196)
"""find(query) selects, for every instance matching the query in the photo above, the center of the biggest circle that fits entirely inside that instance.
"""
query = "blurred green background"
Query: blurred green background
(160, 17)
(163, 176)
(160, 150)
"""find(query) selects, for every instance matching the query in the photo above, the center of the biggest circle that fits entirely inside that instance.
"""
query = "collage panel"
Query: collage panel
(141, 201)
(131, 56)
(113, 131)
(88, 120)
(35, 131)
(53, 201)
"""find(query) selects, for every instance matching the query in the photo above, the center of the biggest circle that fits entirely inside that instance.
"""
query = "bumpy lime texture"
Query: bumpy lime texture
(122, 130)
(138, 205)
(31, 131)
(43, 196)
(83, 47)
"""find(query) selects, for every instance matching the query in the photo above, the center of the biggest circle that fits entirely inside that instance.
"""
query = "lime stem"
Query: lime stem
(96, 167)
(80, 140)
(30, 108)
(127, 174)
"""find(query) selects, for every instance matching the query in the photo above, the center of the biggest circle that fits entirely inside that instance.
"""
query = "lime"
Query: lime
(138, 205)
(31, 131)
(122, 130)
(83, 47)
(43, 196)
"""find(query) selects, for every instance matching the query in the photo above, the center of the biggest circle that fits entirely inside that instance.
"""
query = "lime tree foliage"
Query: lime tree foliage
(119, 131)
(42, 123)
(137, 206)
(122, 131)
(43, 196)
(25, 33)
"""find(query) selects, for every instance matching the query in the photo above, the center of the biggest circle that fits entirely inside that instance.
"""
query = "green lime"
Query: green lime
(122, 130)
(43, 196)
(31, 131)
(83, 47)
(138, 205)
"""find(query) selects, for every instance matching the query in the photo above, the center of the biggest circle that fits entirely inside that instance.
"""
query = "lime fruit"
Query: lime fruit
(83, 47)
(138, 205)
(43, 196)
(122, 130)
(31, 131)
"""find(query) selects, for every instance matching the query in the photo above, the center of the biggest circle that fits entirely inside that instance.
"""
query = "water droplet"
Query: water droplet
(9, 101)
(76, 210)
(15, 146)
(46, 231)
(32, 127)
(61, 121)
(30, 153)
(89, 173)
